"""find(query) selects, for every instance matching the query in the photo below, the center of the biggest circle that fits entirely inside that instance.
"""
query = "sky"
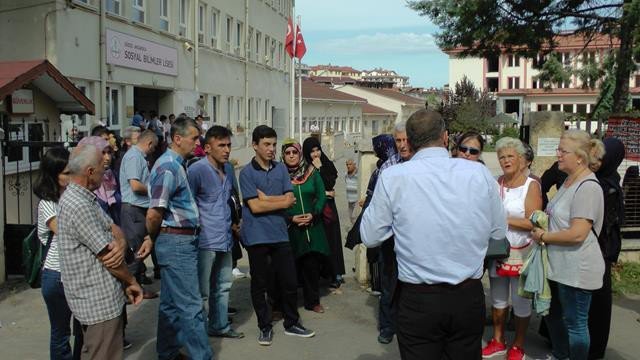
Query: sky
(366, 34)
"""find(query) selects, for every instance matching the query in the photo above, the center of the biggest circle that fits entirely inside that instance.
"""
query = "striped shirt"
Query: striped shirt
(84, 230)
(46, 212)
(169, 189)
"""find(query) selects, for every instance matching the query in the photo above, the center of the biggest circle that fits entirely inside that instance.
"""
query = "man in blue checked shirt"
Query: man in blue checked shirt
(173, 223)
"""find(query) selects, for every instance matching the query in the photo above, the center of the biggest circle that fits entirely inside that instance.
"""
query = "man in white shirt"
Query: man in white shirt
(442, 213)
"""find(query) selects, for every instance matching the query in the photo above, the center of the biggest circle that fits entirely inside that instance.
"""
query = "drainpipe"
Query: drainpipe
(246, 72)
(103, 62)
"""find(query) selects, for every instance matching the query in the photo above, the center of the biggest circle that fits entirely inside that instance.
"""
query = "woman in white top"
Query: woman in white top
(51, 182)
(576, 265)
(521, 195)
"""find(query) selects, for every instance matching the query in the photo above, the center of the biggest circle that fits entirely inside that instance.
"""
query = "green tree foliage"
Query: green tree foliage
(466, 108)
(529, 28)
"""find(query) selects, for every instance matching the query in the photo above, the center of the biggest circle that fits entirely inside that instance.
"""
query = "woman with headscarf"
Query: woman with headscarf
(606, 169)
(316, 159)
(306, 233)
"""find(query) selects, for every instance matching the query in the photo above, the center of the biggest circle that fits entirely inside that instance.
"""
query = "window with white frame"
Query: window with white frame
(215, 24)
(215, 99)
(228, 33)
(513, 61)
(202, 10)
(267, 42)
(229, 110)
(513, 82)
(279, 55)
(272, 53)
(113, 6)
(238, 113)
(258, 42)
(250, 44)
(20, 157)
(113, 107)
(239, 36)
(164, 15)
(183, 18)
(266, 112)
(138, 10)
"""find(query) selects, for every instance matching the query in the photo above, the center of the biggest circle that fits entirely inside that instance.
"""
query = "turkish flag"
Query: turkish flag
(288, 40)
(301, 48)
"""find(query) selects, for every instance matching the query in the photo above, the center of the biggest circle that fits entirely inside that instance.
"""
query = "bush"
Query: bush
(507, 132)
(626, 278)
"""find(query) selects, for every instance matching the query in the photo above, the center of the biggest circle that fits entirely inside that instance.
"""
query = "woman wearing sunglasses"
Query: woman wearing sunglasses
(306, 230)
(470, 146)
(576, 264)
(520, 195)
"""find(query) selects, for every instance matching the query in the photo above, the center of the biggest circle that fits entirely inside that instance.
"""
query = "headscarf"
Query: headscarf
(608, 175)
(109, 186)
(297, 173)
(96, 141)
(329, 172)
(384, 146)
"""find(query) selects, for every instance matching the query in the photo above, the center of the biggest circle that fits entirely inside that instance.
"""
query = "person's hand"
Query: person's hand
(317, 162)
(235, 229)
(537, 234)
(115, 254)
(262, 196)
(145, 248)
(134, 293)
(308, 219)
(331, 194)
(291, 200)
(300, 220)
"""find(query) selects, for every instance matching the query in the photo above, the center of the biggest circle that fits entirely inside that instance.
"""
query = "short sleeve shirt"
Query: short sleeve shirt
(169, 189)
(134, 167)
(580, 265)
(84, 230)
(266, 228)
(47, 210)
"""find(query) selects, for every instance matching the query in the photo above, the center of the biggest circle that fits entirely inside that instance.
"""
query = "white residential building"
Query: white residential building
(388, 99)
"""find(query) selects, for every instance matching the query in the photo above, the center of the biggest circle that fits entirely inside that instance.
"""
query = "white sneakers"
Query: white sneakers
(238, 274)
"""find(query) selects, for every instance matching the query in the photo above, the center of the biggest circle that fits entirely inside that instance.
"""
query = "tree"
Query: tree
(529, 28)
(466, 108)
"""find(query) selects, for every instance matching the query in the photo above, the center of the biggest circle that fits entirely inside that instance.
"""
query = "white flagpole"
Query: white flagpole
(292, 77)
(299, 89)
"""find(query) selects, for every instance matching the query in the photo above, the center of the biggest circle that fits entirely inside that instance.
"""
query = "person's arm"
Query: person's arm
(131, 287)
(375, 227)
(138, 187)
(532, 202)
(153, 221)
(117, 248)
(258, 206)
(161, 188)
(576, 233)
(499, 216)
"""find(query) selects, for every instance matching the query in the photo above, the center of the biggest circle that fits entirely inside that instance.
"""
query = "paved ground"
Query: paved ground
(346, 331)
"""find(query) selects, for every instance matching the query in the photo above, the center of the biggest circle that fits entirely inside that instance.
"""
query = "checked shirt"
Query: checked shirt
(84, 230)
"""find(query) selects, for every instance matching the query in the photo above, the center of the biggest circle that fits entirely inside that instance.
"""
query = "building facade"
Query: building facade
(391, 100)
(223, 59)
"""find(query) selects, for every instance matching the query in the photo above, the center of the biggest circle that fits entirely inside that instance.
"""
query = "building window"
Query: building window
(229, 110)
(238, 113)
(565, 58)
(637, 81)
(184, 18)
(266, 112)
(214, 109)
(568, 108)
(113, 6)
(258, 42)
(493, 64)
(536, 83)
(513, 61)
(113, 108)
(138, 11)
(492, 84)
(272, 55)
(267, 42)
(201, 22)
(164, 15)
(228, 32)
(23, 155)
(258, 111)
(280, 53)
(239, 30)
(250, 44)
(581, 109)
(513, 82)
(215, 24)
(555, 107)
(542, 107)
(539, 61)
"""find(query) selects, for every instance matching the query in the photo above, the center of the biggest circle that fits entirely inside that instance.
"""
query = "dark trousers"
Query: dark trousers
(600, 316)
(309, 265)
(386, 312)
(441, 321)
(263, 259)
(133, 225)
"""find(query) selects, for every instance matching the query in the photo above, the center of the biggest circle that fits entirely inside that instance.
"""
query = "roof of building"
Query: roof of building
(319, 92)
(569, 41)
(42, 74)
(344, 69)
(340, 80)
(396, 95)
(372, 109)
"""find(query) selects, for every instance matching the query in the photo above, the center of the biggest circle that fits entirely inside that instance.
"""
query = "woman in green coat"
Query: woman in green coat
(306, 231)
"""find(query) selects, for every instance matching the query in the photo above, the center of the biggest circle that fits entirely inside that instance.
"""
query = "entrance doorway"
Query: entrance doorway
(152, 100)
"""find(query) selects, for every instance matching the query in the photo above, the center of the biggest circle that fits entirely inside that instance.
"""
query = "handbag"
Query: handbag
(510, 267)
(33, 257)
(498, 249)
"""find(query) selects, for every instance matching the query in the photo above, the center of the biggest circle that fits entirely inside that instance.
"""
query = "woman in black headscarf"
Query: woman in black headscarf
(314, 156)
(606, 170)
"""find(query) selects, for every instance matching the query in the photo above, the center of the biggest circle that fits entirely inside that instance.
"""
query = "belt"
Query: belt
(180, 231)
(439, 286)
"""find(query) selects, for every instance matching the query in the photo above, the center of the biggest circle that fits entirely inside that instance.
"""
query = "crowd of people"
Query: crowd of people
(168, 190)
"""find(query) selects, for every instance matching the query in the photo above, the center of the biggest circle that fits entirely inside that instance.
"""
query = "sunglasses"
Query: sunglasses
(468, 149)
(291, 152)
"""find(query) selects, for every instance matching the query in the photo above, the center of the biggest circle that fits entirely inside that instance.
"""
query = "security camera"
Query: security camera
(188, 46)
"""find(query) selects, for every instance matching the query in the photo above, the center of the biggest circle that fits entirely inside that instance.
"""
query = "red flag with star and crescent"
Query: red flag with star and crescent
(288, 40)
(301, 48)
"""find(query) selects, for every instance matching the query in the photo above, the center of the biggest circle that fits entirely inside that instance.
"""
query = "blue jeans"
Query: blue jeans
(181, 320)
(214, 273)
(59, 315)
(568, 322)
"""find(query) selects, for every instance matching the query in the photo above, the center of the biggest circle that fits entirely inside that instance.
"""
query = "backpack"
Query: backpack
(33, 256)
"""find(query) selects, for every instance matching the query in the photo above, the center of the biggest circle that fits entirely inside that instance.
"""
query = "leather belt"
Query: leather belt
(180, 231)
(439, 286)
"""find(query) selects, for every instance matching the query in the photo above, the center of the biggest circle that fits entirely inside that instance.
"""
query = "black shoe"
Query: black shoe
(126, 344)
(265, 338)
(156, 274)
(385, 337)
(299, 330)
(232, 311)
(231, 334)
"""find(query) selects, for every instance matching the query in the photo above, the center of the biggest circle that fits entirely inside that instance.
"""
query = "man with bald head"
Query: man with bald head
(91, 257)
(442, 213)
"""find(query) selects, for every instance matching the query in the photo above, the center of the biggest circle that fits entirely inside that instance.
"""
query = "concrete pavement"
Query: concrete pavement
(347, 330)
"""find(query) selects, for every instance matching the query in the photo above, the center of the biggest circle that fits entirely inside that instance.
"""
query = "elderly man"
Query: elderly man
(91, 259)
(442, 213)
(173, 223)
(134, 177)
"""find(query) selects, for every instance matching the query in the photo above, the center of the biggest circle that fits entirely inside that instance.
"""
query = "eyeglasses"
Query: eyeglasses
(562, 152)
(468, 149)
(291, 152)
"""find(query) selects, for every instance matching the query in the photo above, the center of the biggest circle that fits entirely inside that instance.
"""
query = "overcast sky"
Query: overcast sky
(366, 34)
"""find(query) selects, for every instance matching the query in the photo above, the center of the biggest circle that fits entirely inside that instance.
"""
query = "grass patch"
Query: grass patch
(626, 278)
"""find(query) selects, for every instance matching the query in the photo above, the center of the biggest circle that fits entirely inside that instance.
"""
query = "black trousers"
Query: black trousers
(600, 316)
(441, 321)
(263, 259)
(134, 228)
(309, 265)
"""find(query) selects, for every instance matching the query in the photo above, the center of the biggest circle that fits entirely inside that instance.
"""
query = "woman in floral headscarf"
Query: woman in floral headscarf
(306, 230)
